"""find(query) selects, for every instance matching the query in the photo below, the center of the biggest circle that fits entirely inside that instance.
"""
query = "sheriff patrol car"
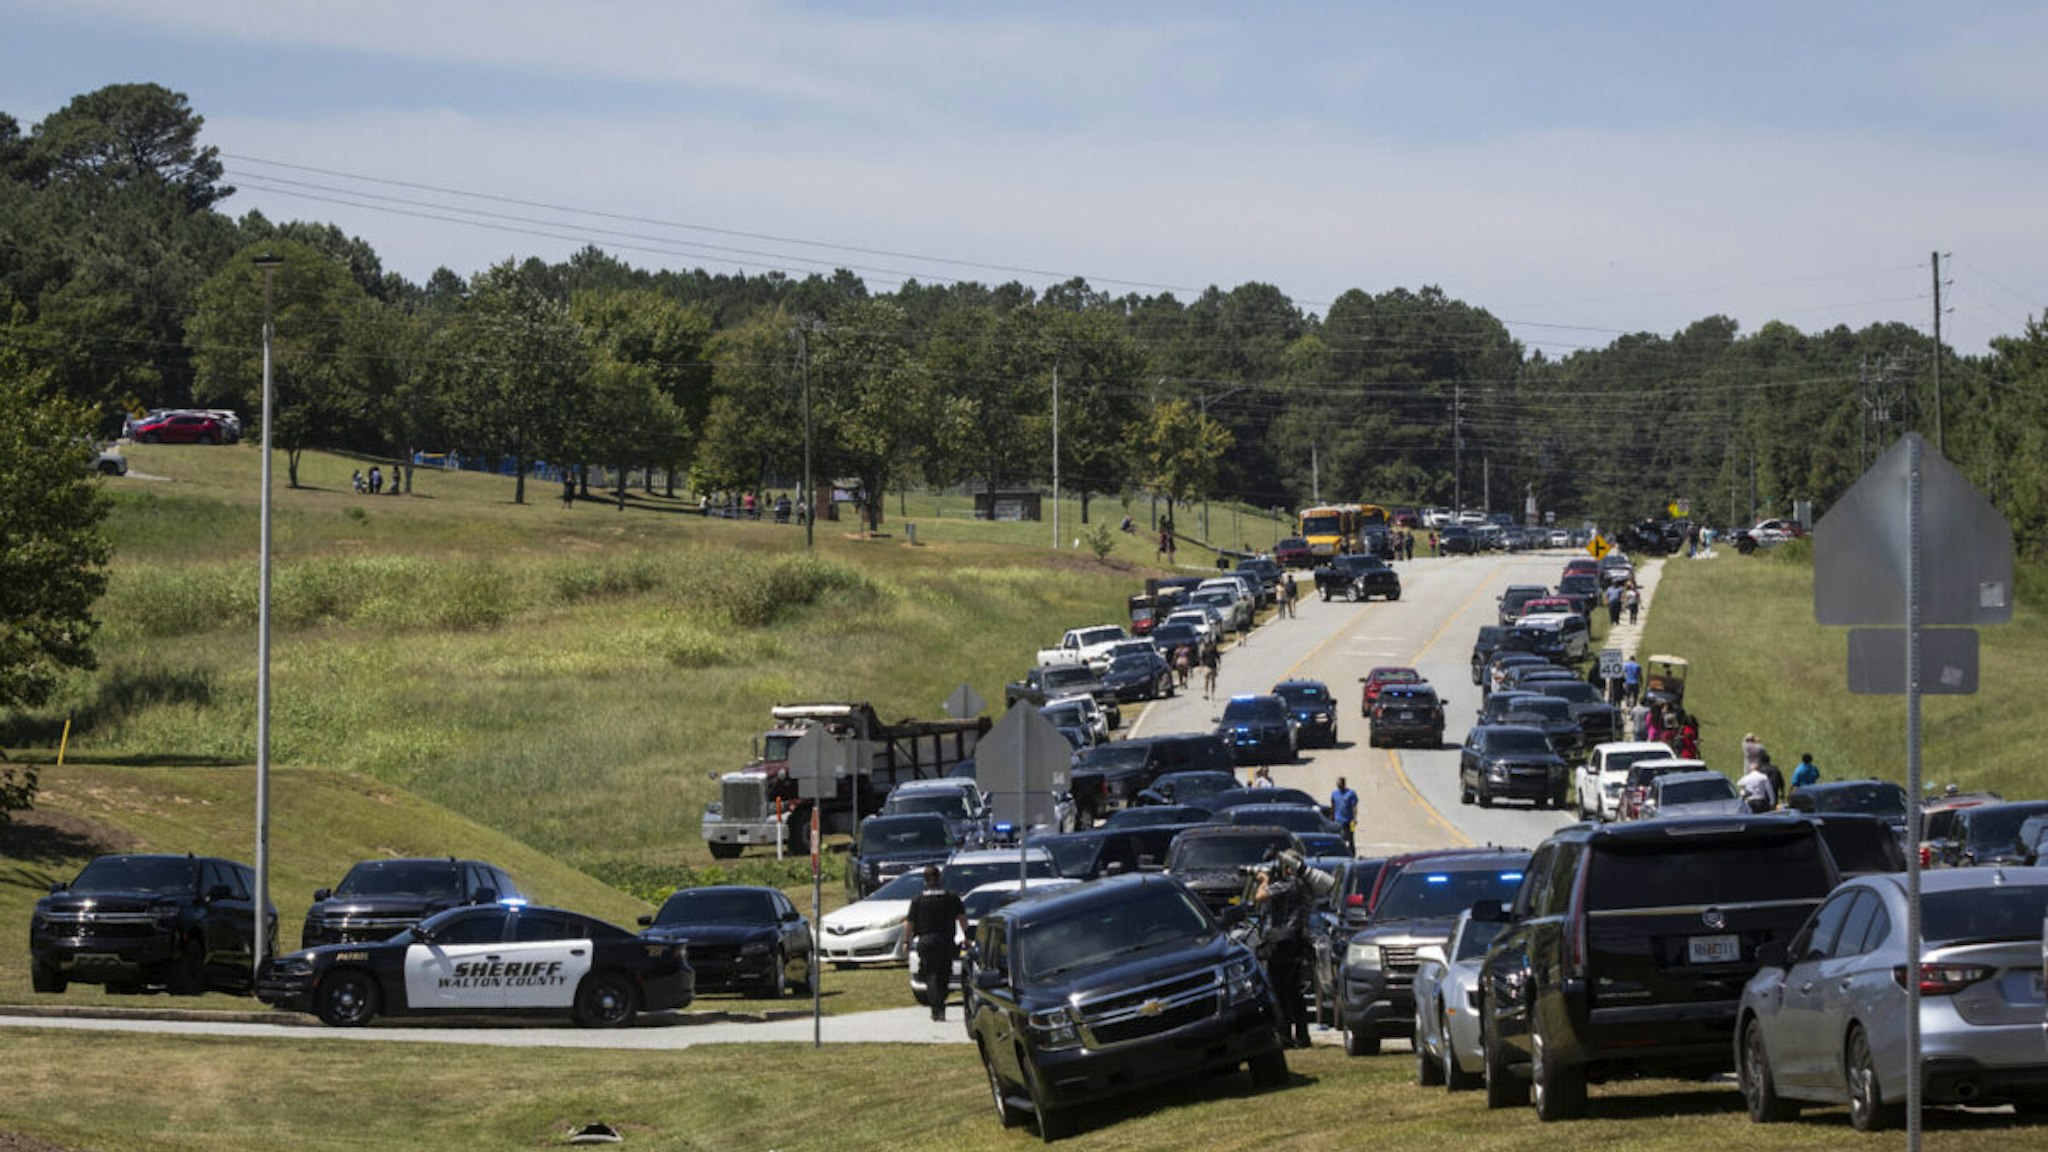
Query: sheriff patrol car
(508, 957)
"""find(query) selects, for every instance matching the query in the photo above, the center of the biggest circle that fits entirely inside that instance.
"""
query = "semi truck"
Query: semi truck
(759, 804)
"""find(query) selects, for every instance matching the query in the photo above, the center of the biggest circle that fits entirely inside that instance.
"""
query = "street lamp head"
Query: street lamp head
(267, 260)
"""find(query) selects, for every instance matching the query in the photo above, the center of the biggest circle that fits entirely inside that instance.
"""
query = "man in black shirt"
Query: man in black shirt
(1284, 895)
(928, 935)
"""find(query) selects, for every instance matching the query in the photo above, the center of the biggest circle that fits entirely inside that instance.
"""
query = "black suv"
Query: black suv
(1109, 987)
(1407, 714)
(378, 899)
(1115, 775)
(1213, 861)
(1511, 601)
(1988, 834)
(1357, 577)
(886, 847)
(1511, 761)
(1628, 945)
(182, 923)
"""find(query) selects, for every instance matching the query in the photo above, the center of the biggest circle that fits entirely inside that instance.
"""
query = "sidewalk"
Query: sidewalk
(1629, 637)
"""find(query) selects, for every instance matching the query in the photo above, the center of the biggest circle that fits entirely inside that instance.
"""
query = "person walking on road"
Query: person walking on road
(1633, 601)
(928, 937)
(1613, 605)
(1210, 666)
(1344, 810)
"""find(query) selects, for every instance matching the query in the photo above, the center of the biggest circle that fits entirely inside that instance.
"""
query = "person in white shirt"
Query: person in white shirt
(1755, 788)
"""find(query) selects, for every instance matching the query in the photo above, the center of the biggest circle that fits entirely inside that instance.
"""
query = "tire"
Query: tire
(1465, 795)
(1268, 1069)
(1753, 1074)
(212, 438)
(46, 977)
(1868, 1111)
(606, 1000)
(1428, 1073)
(1503, 1089)
(777, 983)
(188, 971)
(1053, 1122)
(346, 999)
(1557, 1089)
(1009, 1116)
(1485, 798)
(1326, 1012)
(1393, 596)
(725, 851)
(1357, 1043)
(152, 438)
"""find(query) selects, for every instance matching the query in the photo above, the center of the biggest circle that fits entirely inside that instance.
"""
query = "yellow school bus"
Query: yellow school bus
(1330, 529)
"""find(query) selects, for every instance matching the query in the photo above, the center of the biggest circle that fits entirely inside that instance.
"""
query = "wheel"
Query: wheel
(1485, 798)
(1010, 1115)
(151, 438)
(1268, 1069)
(346, 999)
(1428, 1073)
(1392, 596)
(725, 851)
(1868, 1111)
(777, 982)
(1053, 1122)
(1456, 1079)
(1503, 1089)
(1326, 1013)
(188, 972)
(1753, 1073)
(606, 1000)
(1357, 1043)
(212, 438)
(46, 977)
(1558, 1089)
(1465, 796)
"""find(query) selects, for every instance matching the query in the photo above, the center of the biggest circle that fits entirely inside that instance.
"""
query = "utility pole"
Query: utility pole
(1055, 455)
(1937, 351)
(1458, 446)
(1486, 484)
(1315, 474)
(803, 360)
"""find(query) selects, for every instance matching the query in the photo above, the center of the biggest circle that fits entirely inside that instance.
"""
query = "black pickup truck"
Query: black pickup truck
(1111, 776)
(1356, 577)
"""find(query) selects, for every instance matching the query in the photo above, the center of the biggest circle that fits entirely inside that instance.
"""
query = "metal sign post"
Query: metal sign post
(814, 761)
(1024, 746)
(1947, 563)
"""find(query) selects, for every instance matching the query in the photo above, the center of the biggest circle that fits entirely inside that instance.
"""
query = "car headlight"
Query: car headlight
(1054, 1029)
(1241, 980)
(1358, 955)
(1497, 771)
(293, 965)
(1322, 717)
(754, 948)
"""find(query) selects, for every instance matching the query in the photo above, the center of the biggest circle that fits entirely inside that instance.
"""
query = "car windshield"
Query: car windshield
(1571, 691)
(982, 901)
(1213, 853)
(1546, 707)
(1117, 754)
(1292, 817)
(429, 879)
(1245, 708)
(966, 877)
(1877, 799)
(1999, 825)
(1513, 741)
(944, 803)
(710, 906)
(1291, 544)
(166, 874)
(1322, 524)
(1175, 635)
(1089, 637)
(1698, 791)
(1131, 665)
(1424, 893)
(1066, 715)
(1186, 786)
(2012, 912)
(901, 887)
(1065, 677)
(1155, 917)
(1303, 693)
(904, 836)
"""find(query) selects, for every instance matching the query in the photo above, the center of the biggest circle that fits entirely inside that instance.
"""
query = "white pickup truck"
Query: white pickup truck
(1090, 646)
(1598, 791)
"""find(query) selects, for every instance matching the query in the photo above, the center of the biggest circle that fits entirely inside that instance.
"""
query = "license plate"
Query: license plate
(1407, 715)
(1714, 949)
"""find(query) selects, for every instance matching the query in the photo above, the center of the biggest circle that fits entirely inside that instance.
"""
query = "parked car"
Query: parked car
(1193, 787)
(1511, 762)
(1418, 901)
(1626, 952)
(1551, 715)
(510, 959)
(959, 802)
(1458, 540)
(1446, 987)
(1988, 834)
(1133, 676)
(1509, 603)
(377, 899)
(744, 938)
(1599, 722)
(1314, 711)
(1294, 552)
(1880, 798)
(1300, 819)
(1113, 851)
(109, 462)
(1860, 843)
(885, 847)
(1938, 818)
(1211, 860)
(1824, 1018)
(1260, 730)
(1483, 647)
(870, 931)
(1107, 988)
(1407, 714)
(975, 904)
(1601, 779)
(1337, 913)
(181, 428)
(1701, 793)
(1635, 787)
(138, 922)
(1236, 797)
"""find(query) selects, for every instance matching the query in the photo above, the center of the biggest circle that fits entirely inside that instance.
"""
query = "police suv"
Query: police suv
(508, 957)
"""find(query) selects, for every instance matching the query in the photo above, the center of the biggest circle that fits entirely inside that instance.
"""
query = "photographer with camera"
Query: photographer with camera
(1283, 895)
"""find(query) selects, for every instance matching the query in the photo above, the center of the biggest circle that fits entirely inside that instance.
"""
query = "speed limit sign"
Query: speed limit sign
(1610, 663)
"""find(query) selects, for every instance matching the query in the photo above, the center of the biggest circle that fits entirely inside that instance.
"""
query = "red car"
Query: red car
(1294, 552)
(180, 428)
(1379, 678)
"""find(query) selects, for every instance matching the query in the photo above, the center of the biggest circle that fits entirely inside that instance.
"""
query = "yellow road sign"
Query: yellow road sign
(1599, 547)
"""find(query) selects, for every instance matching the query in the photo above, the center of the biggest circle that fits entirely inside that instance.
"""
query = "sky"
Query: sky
(1579, 170)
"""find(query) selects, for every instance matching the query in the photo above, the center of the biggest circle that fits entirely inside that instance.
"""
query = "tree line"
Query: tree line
(124, 281)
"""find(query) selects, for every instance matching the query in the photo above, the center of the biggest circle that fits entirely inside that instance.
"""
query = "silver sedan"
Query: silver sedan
(1824, 1020)
(1447, 1050)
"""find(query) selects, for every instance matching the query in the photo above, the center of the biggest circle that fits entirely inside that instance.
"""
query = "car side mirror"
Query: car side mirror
(792, 914)
(647, 921)
(57, 886)
(320, 894)
(987, 979)
(1772, 954)
(218, 892)
(419, 935)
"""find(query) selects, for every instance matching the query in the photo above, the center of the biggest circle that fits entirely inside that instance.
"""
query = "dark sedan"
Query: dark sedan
(748, 939)
(1139, 676)
(1315, 712)
(512, 959)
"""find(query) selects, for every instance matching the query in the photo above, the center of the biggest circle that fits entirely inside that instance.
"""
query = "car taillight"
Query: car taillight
(1355, 900)
(1943, 979)
(1926, 856)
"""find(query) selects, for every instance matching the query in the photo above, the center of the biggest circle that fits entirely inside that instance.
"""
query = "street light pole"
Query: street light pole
(810, 497)
(269, 263)
(1204, 401)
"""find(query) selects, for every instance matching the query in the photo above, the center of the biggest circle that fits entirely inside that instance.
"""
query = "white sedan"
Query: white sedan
(870, 931)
